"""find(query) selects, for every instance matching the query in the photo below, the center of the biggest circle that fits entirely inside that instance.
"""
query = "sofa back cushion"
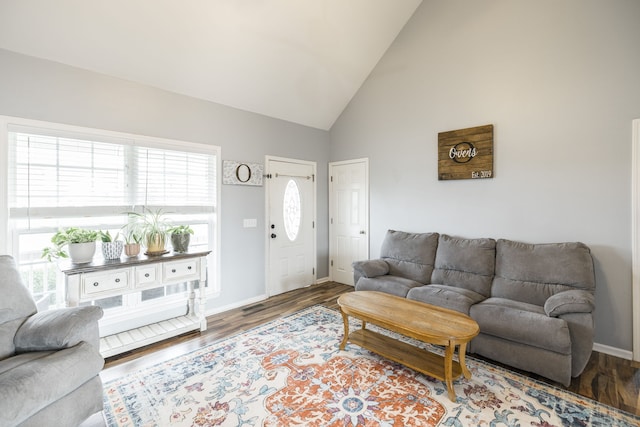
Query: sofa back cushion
(16, 304)
(465, 263)
(532, 273)
(410, 255)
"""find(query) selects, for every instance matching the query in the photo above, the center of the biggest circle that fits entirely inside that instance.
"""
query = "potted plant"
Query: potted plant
(180, 237)
(80, 242)
(153, 225)
(111, 246)
(132, 238)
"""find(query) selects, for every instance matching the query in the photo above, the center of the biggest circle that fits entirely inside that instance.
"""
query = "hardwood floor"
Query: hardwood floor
(607, 379)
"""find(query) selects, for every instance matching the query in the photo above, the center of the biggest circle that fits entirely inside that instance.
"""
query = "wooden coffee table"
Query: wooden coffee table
(424, 322)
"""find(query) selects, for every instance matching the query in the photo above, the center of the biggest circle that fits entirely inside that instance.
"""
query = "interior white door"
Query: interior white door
(349, 217)
(291, 224)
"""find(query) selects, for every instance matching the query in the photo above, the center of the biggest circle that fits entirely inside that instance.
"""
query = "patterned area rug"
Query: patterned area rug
(290, 372)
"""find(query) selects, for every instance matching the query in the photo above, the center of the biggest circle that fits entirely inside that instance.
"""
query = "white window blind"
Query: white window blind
(53, 175)
(172, 178)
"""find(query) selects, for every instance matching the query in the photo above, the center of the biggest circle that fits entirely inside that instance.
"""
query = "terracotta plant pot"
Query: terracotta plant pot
(132, 249)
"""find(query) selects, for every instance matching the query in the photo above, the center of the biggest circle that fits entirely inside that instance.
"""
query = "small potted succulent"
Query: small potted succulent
(180, 237)
(132, 238)
(80, 242)
(111, 246)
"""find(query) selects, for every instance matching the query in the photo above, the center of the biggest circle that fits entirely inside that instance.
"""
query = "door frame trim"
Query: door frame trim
(364, 160)
(267, 187)
(635, 239)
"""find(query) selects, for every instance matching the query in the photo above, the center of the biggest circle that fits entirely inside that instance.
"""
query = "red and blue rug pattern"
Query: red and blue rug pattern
(290, 372)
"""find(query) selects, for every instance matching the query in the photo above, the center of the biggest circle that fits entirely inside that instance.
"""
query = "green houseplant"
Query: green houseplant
(80, 242)
(111, 246)
(153, 226)
(133, 236)
(180, 237)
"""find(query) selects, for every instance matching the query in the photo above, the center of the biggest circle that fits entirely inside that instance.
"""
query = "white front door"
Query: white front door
(349, 217)
(291, 211)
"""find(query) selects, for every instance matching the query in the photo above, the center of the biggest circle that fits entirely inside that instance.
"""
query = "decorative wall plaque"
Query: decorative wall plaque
(241, 173)
(466, 153)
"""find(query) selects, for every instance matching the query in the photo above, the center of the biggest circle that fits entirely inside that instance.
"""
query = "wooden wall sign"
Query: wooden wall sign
(466, 153)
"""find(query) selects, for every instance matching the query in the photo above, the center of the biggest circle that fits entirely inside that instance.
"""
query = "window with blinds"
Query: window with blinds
(50, 174)
(59, 178)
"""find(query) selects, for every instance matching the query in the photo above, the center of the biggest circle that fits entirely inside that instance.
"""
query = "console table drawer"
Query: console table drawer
(147, 276)
(181, 270)
(100, 282)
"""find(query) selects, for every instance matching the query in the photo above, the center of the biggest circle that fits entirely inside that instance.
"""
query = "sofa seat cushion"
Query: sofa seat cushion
(522, 323)
(393, 285)
(454, 298)
(32, 381)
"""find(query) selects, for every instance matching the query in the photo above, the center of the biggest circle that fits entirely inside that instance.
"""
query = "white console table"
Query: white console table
(108, 278)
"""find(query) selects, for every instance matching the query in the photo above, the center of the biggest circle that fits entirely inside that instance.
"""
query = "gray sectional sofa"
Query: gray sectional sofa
(533, 302)
(49, 360)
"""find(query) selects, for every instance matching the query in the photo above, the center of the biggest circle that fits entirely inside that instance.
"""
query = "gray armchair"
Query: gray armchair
(49, 361)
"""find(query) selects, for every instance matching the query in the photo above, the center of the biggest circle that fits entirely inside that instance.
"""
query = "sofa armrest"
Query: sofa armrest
(574, 301)
(371, 268)
(58, 329)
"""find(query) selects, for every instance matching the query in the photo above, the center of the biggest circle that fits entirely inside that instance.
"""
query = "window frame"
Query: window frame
(10, 124)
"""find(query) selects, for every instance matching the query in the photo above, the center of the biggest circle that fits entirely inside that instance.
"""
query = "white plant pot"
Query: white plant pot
(112, 250)
(81, 253)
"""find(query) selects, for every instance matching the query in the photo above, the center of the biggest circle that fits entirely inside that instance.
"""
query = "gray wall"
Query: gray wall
(559, 82)
(43, 90)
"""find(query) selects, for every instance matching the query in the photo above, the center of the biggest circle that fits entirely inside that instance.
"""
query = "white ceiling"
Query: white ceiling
(296, 60)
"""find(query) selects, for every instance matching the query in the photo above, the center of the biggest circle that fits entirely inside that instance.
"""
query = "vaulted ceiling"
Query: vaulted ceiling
(296, 60)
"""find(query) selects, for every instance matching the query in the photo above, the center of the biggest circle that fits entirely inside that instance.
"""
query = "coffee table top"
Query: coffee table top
(416, 319)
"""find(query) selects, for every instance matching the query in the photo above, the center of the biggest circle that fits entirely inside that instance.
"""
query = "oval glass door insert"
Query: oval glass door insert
(291, 210)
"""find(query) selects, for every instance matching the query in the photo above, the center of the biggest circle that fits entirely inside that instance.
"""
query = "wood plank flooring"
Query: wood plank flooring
(607, 379)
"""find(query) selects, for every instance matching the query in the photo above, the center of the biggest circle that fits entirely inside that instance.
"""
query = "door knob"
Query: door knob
(363, 232)
(273, 235)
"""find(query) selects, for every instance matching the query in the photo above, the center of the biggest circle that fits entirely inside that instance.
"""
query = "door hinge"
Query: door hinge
(331, 178)
(331, 263)
(313, 177)
(331, 220)
(313, 224)
(314, 271)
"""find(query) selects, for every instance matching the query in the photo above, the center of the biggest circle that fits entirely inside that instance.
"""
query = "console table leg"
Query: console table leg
(191, 300)
(448, 367)
(345, 320)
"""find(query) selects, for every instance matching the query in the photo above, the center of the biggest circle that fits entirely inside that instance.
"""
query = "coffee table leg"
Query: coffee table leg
(345, 320)
(462, 350)
(448, 367)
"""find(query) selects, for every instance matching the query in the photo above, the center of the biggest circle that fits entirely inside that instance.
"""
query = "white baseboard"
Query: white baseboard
(228, 307)
(322, 280)
(613, 351)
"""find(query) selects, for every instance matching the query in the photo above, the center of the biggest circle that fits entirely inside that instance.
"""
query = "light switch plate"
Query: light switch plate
(250, 223)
